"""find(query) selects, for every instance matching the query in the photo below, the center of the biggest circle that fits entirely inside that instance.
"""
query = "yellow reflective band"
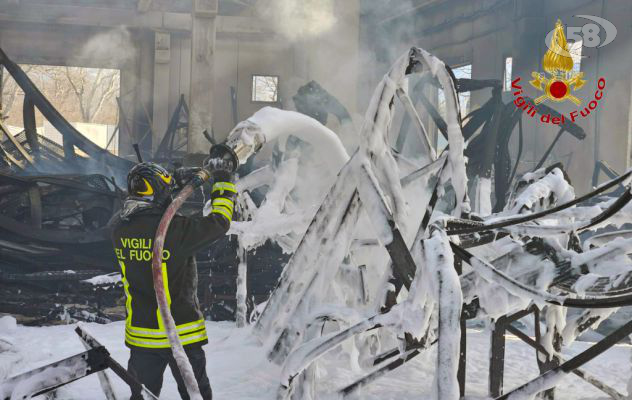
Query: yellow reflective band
(199, 322)
(164, 343)
(181, 329)
(148, 191)
(189, 332)
(150, 345)
(228, 210)
(128, 296)
(224, 212)
(225, 209)
(224, 186)
(165, 282)
(138, 332)
(194, 338)
(222, 201)
(145, 343)
(145, 331)
(163, 338)
(190, 326)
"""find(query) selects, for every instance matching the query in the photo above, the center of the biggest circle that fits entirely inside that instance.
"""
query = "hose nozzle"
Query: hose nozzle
(221, 163)
(245, 140)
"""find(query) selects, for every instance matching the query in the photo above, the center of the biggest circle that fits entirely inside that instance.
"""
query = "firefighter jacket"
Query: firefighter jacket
(133, 231)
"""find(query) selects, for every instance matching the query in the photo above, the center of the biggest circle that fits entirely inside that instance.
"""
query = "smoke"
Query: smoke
(297, 20)
(116, 44)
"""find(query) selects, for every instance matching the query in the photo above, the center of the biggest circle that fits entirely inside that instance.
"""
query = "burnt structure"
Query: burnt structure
(53, 226)
(55, 223)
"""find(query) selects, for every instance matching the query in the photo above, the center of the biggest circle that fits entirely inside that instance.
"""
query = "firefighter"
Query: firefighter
(150, 190)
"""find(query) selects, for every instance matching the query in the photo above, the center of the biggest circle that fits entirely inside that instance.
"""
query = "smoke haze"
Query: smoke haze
(297, 20)
(116, 43)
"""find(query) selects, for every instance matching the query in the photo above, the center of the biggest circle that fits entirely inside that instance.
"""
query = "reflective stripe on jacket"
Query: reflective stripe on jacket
(132, 240)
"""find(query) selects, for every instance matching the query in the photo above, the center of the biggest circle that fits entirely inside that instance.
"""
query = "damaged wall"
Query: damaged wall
(483, 33)
(151, 43)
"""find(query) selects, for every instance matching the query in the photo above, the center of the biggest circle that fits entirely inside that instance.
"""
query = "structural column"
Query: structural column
(162, 59)
(529, 47)
(202, 73)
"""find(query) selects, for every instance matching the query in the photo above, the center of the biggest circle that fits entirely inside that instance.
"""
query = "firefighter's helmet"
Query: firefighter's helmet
(151, 181)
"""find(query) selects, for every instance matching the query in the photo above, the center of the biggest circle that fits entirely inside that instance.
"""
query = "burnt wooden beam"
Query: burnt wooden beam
(497, 358)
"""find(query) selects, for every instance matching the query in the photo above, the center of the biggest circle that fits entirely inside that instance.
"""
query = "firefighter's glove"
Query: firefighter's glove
(184, 175)
(221, 163)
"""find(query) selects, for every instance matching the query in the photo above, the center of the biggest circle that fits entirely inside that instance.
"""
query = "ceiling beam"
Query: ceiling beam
(115, 17)
(227, 26)
(97, 16)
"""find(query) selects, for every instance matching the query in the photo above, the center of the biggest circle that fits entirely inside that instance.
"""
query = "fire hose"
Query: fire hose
(232, 153)
(159, 287)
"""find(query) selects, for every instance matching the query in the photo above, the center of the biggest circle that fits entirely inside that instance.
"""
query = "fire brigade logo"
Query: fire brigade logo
(559, 80)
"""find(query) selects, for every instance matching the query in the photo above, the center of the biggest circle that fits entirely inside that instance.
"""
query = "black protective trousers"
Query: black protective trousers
(148, 367)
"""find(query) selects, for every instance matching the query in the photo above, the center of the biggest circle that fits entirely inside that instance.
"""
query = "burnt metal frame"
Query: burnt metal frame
(497, 355)
(71, 136)
(165, 150)
(402, 265)
(92, 361)
(402, 277)
(496, 121)
(503, 324)
(313, 100)
(540, 350)
(54, 236)
(412, 348)
(96, 359)
(25, 154)
(496, 366)
(533, 386)
(479, 227)
(111, 363)
(602, 166)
